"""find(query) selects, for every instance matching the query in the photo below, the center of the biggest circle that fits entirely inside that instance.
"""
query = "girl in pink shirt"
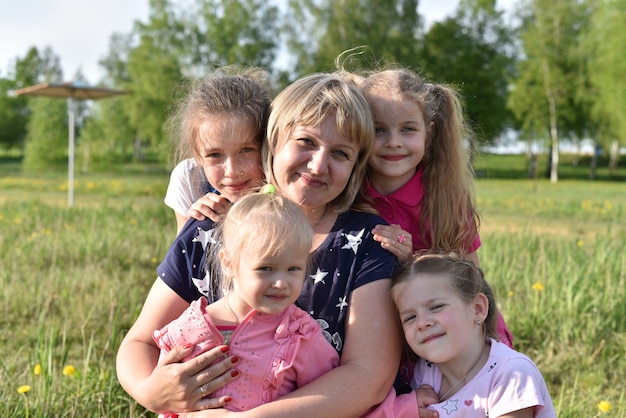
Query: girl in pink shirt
(262, 249)
(420, 177)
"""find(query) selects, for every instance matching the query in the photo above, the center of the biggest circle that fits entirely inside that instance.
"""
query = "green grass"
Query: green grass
(73, 280)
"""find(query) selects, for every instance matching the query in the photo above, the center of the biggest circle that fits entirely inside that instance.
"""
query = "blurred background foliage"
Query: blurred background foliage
(543, 73)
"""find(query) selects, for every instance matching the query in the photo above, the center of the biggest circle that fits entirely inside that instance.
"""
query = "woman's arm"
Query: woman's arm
(168, 385)
(365, 375)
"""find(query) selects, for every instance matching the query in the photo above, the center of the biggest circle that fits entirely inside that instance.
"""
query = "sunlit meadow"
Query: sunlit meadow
(74, 279)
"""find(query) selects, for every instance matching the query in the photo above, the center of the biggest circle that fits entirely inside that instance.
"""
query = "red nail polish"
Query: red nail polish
(234, 373)
(225, 349)
(186, 346)
(234, 360)
(227, 399)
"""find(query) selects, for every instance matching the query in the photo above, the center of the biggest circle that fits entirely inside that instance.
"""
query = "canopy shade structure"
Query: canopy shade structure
(69, 91)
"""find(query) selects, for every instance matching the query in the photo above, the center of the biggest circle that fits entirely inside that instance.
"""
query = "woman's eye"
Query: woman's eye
(379, 130)
(342, 154)
(248, 150)
(213, 155)
(306, 141)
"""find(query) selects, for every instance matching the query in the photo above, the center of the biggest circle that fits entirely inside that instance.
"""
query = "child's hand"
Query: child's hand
(426, 395)
(395, 240)
(211, 205)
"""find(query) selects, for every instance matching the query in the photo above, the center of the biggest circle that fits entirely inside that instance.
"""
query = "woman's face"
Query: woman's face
(313, 164)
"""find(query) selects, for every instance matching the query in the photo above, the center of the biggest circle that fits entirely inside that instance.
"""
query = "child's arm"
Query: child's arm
(426, 395)
(211, 205)
(395, 240)
(522, 413)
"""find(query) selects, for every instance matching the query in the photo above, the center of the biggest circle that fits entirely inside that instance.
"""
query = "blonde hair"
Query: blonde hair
(308, 102)
(465, 278)
(265, 224)
(242, 94)
(448, 207)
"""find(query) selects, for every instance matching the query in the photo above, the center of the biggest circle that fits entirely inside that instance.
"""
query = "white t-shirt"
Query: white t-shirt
(187, 184)
(509, 381)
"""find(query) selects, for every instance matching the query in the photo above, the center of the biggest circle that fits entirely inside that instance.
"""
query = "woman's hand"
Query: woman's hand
(211, 205)
(186, 386)
(169, 384)
(395, 240)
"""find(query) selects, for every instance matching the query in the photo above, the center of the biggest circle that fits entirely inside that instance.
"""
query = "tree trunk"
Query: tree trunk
(594, 162)
(614, 156)
(554, 133)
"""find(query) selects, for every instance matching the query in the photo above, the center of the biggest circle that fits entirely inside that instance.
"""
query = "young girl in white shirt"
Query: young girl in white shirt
(448, 315)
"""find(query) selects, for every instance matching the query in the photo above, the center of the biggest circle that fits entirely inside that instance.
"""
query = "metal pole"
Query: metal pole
(70, 155)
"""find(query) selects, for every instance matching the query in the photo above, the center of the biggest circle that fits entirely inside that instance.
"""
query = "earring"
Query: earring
(478, 322)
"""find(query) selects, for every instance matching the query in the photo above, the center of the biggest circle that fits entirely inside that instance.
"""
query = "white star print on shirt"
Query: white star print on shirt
(342, 303)
(353, 241)
(204, 237)
(319, 276)
(450, 406)
(202, 284)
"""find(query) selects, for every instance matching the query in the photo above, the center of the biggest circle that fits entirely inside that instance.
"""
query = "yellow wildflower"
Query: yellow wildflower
(538, 286)
(37, 369)
(511, 293)
(580, 243)
(604, 406)
(69, 370)
(23, 389)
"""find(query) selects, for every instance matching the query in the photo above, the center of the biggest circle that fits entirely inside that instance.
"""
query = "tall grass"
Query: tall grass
(73, 280)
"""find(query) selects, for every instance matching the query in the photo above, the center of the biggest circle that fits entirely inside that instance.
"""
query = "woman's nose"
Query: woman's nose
(318, 163)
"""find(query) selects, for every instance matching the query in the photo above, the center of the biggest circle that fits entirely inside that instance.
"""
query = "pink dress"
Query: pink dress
(278, 353)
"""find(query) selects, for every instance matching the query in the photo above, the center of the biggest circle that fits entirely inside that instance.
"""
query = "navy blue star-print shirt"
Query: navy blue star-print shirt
(347, 259)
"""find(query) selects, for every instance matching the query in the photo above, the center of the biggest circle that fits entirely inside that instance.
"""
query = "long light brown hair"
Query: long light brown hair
(448, 207)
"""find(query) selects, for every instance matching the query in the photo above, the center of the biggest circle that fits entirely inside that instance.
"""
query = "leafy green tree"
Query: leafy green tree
(33, 68)
(550, 71)
(390, 28)
(47, 135)
(605, 45)
(107, 137)
(235, 32)
(14, 113)
(474, 52)
(153, 71)
(46, 130)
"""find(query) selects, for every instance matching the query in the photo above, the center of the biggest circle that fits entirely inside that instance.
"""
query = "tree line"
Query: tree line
(548, 71)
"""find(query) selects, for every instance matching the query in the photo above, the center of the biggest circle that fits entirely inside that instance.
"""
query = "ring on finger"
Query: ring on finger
(401, 238)
(202, 390)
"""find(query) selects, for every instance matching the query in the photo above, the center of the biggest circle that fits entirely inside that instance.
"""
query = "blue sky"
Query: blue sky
(79, 30)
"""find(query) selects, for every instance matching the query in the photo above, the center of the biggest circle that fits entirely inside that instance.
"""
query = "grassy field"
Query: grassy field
(73, 280)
